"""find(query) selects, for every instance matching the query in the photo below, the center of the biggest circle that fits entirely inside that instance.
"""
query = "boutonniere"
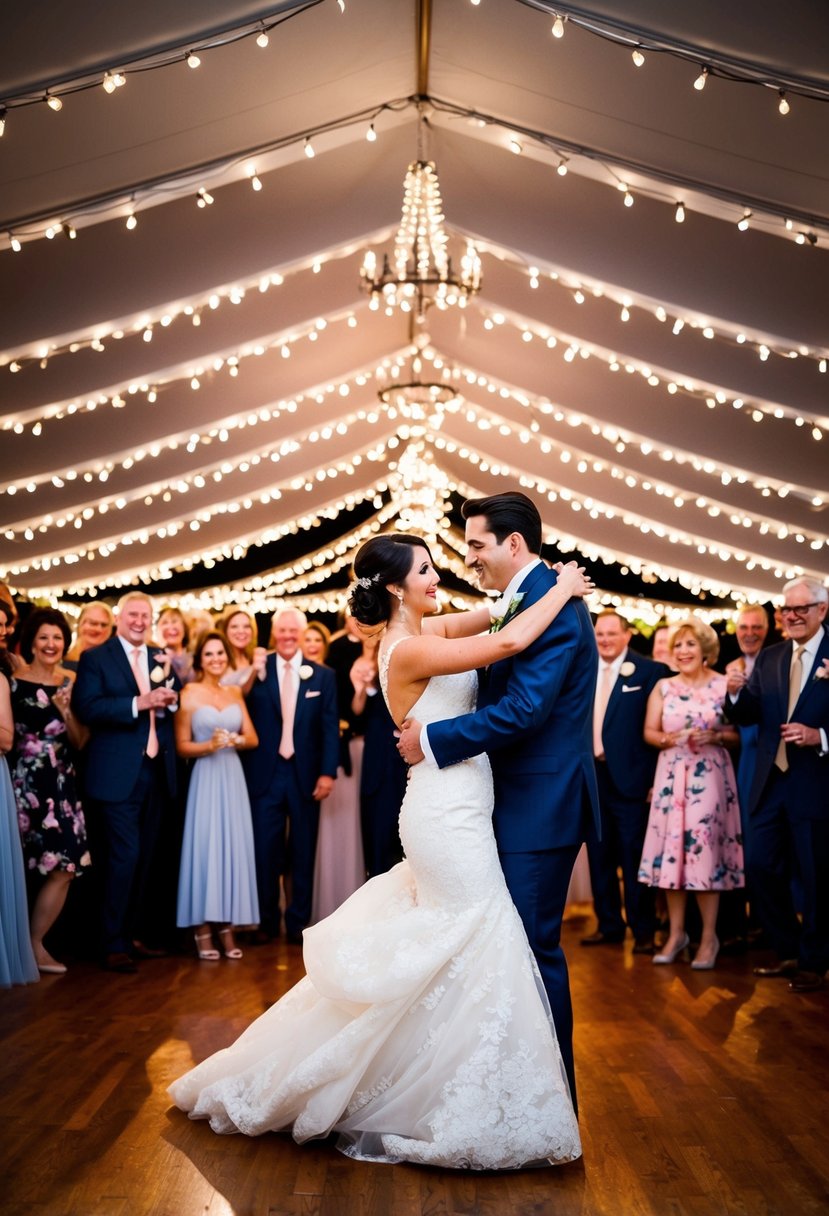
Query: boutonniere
(499, 622)
(162, 667)
(305, 672)
(627, 669)
(822, 672)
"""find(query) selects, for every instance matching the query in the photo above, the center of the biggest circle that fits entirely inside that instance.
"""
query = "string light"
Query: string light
(561, 169)
(637, 57)
(515, 146)
(54, 102)
(193, 60)
(262, 39)
(783, 106)
(3, 112)
(132, 221)
(558, 26)
(15, 244)
(743, 224)
(68, 231)
(699, 83)
(371, 134)
(203, 199)
(309, 148)
(679, 213)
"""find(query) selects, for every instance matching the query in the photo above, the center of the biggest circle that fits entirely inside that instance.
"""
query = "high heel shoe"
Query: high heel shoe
(696, 965)
(234, 951)
(672, 955)
(210, 955)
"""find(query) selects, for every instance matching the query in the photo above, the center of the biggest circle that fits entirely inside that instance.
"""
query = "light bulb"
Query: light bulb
(784, 106)
(68, 231)
(628, 199)
(699, 83)
(132, 221)
(15, 244)
(54, 103)
(679, 214)
(744, 222)
(516, 146)
(309, 148)
(204, 199)
(637, 57)
(371, 134)
(262, 40)
(109, 83)
(2, 121)
(193, 60)
(558, 26)
(562, 168)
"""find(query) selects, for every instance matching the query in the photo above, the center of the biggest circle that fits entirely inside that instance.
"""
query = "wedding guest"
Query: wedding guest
(47, 736)
(294, 714)
(126, 693)
(787, 696)
(660, 644)
(693, 840)
(8, 622)
(95, 625)
(198, 621)
(315, 642)
(217, 882)
(17, 960)
(172, 630)
(246, 658)
(384, 774)
(625, 766)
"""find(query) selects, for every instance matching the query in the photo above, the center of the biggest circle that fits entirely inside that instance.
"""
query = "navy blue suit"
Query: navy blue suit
(282, 790)
(788, 812)
(535, 720)
(625, 777)
(130, 791)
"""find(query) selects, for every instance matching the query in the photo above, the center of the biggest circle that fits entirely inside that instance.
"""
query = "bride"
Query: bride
(421, 1031)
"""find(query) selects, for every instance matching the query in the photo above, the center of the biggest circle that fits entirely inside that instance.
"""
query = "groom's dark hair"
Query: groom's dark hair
(507, 513)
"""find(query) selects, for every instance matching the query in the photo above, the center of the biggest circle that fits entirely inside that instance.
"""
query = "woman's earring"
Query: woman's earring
(399, 595)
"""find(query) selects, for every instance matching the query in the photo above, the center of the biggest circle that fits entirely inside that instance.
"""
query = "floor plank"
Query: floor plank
(701, 1094)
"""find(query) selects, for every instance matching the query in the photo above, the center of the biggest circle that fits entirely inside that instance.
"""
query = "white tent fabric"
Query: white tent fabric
(175, 393)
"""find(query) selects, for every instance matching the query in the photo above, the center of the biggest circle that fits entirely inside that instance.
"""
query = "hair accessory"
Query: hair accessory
(367, 582)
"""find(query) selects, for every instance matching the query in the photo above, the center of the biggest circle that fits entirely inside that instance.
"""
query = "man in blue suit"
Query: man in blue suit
(788, 697)
(294, 711)
(125, 692)
(625, 765)
(534, 719)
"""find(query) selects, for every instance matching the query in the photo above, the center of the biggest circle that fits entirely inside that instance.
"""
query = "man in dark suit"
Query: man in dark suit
(625, 766)
(125, 693)
(788, 697)
(294, 711)
(534, 719)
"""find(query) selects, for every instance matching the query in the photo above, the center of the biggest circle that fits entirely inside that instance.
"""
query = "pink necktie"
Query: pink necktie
(144, 686)
(287, 695)
(600, 708)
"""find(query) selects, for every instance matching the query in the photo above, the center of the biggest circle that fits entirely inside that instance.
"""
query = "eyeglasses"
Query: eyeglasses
(798, 610)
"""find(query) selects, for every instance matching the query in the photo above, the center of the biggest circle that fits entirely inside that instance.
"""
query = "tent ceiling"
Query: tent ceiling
(658, 386)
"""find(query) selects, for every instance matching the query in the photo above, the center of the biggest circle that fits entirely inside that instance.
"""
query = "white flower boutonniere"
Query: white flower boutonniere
(822, 672)
(162, 667)
(305, 672)
(627, 669)
(498, 622)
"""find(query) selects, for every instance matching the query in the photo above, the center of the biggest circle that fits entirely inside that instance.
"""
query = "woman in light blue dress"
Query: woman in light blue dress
(217, 879)
(17, 961)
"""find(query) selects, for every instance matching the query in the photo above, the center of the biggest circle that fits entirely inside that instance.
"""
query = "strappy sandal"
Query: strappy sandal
(210, 955)
(234, 951)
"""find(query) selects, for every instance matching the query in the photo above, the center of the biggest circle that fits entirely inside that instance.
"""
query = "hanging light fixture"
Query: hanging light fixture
(420, 489)
(421, 402)
(420, 271)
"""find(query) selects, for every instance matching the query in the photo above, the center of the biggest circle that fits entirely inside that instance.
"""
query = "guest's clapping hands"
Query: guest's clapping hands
(62, 697)
(363, 674)
(260, 654)
(157, 698)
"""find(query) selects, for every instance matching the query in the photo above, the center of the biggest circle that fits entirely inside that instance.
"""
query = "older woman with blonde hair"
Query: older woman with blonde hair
(95, 625)
(693, 840)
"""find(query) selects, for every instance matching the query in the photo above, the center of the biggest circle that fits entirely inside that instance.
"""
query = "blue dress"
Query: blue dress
(17, 963)
(217, 879)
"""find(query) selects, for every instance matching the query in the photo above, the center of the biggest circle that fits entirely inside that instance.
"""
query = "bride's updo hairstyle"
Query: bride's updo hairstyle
(380, 561)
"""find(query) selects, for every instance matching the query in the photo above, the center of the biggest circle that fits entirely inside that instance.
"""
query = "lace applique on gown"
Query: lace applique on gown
(421, 1031)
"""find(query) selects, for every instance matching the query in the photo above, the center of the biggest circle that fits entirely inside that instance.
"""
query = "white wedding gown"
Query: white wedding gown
(421, 1031)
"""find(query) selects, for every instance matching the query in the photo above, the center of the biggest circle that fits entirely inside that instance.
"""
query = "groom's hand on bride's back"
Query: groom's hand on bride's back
(408, 741)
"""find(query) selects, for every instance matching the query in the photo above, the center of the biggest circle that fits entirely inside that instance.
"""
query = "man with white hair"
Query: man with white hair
(125, 693)
(294, 710)
(787, 696)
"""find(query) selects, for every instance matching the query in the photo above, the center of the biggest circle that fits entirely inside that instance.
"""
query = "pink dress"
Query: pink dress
(694, 839)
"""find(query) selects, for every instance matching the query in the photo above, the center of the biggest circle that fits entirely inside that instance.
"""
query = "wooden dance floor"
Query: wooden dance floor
(701, 1093)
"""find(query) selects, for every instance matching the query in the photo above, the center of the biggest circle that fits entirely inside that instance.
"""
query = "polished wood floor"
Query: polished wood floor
(701, 1093)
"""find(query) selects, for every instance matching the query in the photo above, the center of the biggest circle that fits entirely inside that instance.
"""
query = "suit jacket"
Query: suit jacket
(535, 720)
(765, 700)
(316, 729)
(630, 760)
(102, 698)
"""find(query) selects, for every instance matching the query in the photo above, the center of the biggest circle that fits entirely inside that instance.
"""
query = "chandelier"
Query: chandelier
(420, 271)
(421, 492)
(421, 402)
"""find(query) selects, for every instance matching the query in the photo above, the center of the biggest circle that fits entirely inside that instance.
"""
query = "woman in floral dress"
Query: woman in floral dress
(693, 840)
(47, 734)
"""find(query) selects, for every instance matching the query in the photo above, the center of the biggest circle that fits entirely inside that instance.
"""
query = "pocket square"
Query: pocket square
(312, 693)
(631, 688)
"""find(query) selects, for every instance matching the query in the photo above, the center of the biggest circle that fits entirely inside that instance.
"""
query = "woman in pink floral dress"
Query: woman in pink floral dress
(46, 734)
(693, 840)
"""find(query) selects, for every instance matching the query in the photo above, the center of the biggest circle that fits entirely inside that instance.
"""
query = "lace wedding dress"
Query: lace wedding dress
(421, 1031)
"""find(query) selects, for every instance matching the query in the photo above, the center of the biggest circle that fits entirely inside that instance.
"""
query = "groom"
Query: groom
(534, 718)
